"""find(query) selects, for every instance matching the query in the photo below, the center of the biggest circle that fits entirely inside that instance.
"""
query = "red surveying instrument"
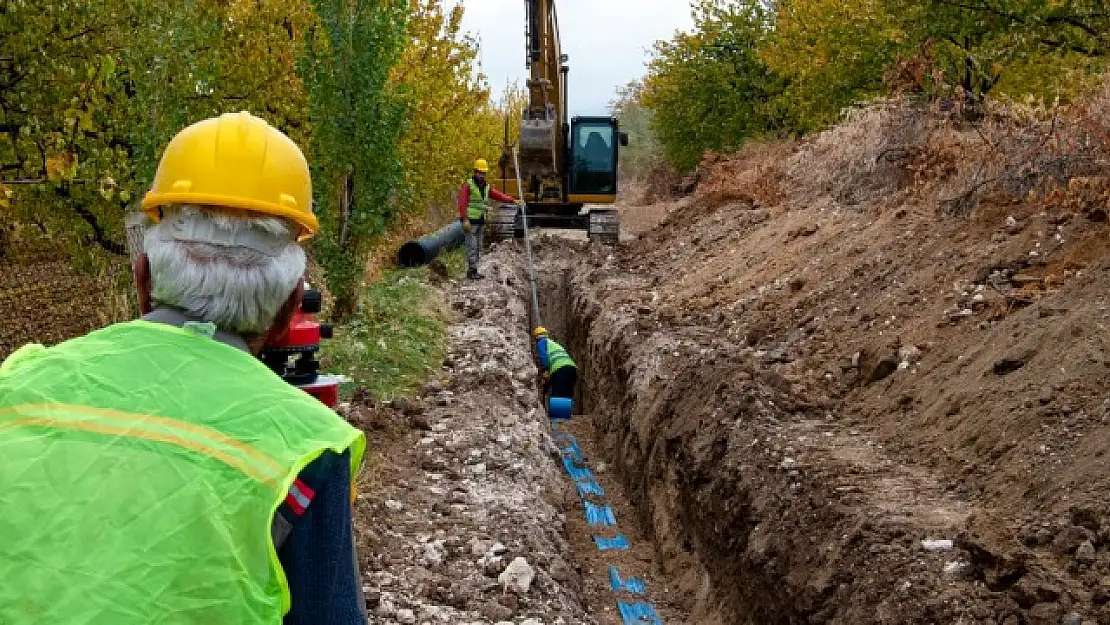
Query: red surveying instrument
(293, 355)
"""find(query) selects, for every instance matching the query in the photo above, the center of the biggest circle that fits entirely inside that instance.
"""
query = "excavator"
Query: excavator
(568, 167)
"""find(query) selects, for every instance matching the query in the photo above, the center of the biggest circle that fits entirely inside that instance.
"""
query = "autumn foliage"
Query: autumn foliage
(751, 69)
(384, 96)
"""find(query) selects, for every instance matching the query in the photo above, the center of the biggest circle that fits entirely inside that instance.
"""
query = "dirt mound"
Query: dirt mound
(890, 334)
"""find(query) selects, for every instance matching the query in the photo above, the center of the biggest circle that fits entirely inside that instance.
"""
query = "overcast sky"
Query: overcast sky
(607, 41)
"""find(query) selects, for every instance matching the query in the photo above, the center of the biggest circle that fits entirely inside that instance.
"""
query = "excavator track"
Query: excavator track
(501, 222)
(604, 226)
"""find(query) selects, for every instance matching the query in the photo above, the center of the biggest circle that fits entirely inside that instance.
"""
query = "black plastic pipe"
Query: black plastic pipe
(422, 251)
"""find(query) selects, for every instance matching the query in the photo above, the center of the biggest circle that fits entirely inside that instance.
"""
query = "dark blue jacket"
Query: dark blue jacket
(319, 554)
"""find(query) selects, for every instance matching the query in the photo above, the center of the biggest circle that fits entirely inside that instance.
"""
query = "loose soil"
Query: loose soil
(803, 386)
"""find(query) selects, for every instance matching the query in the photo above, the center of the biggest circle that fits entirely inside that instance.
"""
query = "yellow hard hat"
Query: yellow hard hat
(481, 165)
(538, 332)
(236, 161)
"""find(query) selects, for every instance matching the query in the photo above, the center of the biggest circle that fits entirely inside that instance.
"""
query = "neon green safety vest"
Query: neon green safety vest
(557, 357)
(142, 466)
(476, 209)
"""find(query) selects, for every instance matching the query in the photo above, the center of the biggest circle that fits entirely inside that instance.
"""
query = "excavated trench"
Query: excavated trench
(757, 508)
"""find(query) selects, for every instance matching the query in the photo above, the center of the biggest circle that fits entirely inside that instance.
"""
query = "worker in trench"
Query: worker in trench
(156, 471)
(558, 370)
(474, 196)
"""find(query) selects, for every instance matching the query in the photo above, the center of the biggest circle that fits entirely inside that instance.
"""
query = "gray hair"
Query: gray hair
(233, 269)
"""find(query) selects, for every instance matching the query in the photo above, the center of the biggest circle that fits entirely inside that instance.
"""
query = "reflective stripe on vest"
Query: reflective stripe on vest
(476, 209)
(557, 357)
(148, 463)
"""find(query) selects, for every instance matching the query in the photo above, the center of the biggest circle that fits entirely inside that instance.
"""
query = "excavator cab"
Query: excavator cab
(593, 159)
(581, 195)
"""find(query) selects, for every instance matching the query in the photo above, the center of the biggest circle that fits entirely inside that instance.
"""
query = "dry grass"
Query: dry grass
(373, 474)
(407, 227)
(1013, 153)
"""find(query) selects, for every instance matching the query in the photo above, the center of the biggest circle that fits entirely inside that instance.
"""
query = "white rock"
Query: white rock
(497, 549)
(531, 621)
(406, 617)
(478, 547)
(909, 353)
(432, 554)
(955, 568)
(517, 576)
(936, 545)
(394, 505)
(385, 607)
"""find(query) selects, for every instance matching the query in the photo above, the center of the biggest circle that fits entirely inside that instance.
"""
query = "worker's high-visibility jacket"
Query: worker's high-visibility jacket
(473, 198)
(142, 465)
(552, 356)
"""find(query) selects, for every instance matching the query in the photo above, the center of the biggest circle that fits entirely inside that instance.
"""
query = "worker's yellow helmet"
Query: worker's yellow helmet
(235, 161)
(481, 165)
(538, 332)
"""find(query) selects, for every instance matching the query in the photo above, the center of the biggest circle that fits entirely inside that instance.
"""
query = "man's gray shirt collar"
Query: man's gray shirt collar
(177, 318)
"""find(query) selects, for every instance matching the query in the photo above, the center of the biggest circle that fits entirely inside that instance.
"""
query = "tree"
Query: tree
(61, 152)
(832, 54)
(635, 119)
(357, 116)
(1018, 47)
(503, 118)
(90, 93)
(451, 122)
(708, 89)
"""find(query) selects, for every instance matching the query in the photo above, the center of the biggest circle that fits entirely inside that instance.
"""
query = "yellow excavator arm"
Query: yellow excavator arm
(565, 163)
(542, 129)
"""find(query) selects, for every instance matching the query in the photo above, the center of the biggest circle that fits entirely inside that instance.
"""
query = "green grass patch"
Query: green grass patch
(401, 335)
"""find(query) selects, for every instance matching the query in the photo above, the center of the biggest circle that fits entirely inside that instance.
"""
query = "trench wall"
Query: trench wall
(697, 437)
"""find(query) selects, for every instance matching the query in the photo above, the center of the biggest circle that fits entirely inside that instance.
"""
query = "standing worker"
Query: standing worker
(161, 472)
(473, 197)
(560, 373)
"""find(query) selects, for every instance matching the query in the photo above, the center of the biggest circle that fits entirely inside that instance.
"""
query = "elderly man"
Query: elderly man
(474, 195)
(155, 471)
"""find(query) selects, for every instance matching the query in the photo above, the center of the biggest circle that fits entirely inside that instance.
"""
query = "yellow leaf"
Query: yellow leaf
(61, 167)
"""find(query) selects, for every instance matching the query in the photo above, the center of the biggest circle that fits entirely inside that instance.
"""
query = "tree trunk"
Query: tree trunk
(346, 194)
